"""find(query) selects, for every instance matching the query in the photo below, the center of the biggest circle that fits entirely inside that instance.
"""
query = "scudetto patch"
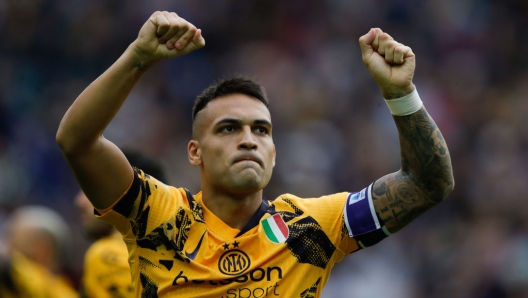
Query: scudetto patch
(276, 229)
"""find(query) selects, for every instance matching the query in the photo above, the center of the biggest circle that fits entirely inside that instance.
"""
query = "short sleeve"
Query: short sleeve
(147, 203)
(320, 224)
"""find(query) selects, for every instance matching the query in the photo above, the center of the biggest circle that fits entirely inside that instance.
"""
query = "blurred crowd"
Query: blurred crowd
(332, 130)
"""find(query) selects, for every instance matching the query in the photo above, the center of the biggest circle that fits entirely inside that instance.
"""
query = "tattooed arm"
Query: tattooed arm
(100, 167)
(426, 176)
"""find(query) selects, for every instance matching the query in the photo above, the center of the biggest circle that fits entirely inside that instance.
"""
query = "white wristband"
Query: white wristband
(405, 105)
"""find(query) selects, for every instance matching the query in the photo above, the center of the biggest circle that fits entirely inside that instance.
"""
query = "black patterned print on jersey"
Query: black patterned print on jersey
(162, 235)
(307, 241)
(167, 264)
(196, 208)
(139, 227)
(149, 289)
(125, 205)
(344, 230)
(144, 263)
(310, 292)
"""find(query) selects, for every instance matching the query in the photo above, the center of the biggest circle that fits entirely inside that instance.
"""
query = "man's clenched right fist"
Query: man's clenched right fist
(166, 35)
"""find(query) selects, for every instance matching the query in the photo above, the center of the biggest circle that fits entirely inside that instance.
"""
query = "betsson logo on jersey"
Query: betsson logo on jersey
(270, 274)
(236, 262)
(255, 275)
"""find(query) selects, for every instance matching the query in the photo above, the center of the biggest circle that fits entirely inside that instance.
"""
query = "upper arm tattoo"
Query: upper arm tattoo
(426, 176)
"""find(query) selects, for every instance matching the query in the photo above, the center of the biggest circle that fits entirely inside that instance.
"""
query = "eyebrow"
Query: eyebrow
(239, 122)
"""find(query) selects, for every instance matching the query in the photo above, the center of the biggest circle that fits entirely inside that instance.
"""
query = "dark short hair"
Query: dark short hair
(236, 84)
(146, 163)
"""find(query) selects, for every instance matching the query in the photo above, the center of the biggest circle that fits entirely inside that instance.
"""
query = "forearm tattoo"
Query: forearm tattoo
(140, 66)
(426, 176)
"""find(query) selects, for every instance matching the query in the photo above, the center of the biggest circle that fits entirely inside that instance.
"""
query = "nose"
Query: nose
(247, 141)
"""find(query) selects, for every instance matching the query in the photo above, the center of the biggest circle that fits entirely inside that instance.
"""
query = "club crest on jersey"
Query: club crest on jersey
(276, 229)
(234, 262)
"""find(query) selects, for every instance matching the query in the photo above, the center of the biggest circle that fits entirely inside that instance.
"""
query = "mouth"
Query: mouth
(248, 158)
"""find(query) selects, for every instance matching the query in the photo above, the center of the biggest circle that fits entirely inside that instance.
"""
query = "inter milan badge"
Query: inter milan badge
(276, 229)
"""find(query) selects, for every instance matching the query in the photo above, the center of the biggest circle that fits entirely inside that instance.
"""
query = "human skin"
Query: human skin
(233, 191)
(234, 149)
(426, 174)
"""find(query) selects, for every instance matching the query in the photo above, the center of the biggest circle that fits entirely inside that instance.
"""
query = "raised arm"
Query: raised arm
(99, 166)
(426, 175)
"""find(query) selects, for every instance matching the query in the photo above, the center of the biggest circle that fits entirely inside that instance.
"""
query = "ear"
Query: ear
(274, 155)
(194, 153)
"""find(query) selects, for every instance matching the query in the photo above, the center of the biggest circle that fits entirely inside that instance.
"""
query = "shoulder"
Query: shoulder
(323, 209)
(145, 185)
(146, 188)
(291, 200)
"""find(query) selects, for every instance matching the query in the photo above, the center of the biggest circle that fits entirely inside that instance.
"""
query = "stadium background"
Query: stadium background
(332, 130)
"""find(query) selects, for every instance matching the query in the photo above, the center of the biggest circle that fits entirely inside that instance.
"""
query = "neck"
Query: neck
(235, 211)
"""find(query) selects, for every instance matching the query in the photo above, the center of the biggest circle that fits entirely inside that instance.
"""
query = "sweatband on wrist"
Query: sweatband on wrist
(405, 105)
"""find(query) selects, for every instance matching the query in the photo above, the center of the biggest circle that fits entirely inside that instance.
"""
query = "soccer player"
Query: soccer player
(227, 240)
(106, 271)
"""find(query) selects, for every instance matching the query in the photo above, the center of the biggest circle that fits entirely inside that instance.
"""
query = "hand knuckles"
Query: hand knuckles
(385, 37)
(174, 25)
(403, 50)
(186, 25)
(391, 43)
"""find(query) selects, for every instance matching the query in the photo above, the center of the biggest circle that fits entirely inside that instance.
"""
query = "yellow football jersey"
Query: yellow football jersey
(178, 248)
(106, 270)
(31, 280)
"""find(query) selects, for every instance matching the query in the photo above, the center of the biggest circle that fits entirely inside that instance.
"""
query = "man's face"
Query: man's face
(94, 227)
(233, 145)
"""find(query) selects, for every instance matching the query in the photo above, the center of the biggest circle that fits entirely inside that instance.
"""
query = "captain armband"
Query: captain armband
(405, 105)
(361, 220)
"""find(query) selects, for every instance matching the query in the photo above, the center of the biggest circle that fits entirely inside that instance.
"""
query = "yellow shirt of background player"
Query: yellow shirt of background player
(33, 280)
(106, 269)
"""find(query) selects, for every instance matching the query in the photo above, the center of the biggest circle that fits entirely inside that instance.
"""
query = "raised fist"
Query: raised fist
(391, 63)
(165, 35)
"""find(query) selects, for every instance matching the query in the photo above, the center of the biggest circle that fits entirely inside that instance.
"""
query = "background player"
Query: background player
(37, 250)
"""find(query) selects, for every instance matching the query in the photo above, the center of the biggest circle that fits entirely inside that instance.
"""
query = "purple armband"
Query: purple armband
(360, 215)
